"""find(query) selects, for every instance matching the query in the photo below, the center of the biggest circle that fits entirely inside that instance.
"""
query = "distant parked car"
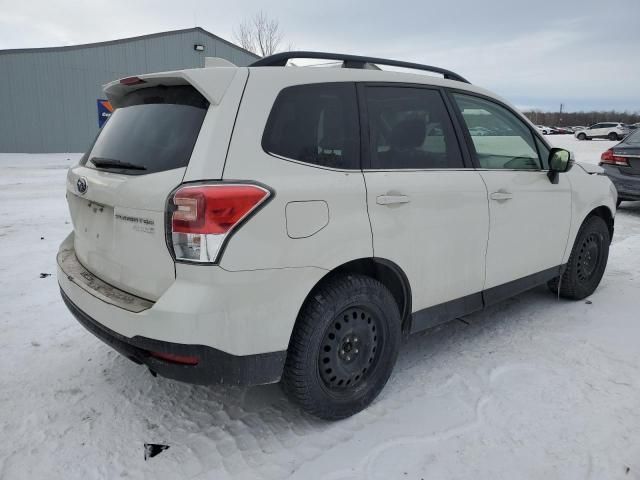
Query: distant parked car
(479, 131)
(562, 130)
(621, 164)
(544, 130)
(609, 130)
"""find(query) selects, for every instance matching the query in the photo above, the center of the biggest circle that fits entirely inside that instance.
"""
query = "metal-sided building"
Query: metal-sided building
(50, 97)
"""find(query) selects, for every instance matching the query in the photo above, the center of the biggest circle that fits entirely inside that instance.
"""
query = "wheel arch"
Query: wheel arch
(605, 213)
(386, 272)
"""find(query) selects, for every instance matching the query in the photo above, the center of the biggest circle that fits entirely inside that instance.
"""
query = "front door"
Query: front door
(529, 215)
(428, 212)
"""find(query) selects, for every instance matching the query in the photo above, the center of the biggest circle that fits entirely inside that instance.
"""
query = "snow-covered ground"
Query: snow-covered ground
(533, 388)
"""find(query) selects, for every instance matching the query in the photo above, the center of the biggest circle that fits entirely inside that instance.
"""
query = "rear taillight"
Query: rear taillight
(610, 159)
(203, 216)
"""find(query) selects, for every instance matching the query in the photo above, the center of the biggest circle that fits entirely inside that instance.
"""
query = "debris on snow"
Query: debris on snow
(153, 449)
(45, 275)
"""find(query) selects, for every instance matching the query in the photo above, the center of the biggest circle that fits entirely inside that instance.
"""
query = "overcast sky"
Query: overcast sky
(585, 54)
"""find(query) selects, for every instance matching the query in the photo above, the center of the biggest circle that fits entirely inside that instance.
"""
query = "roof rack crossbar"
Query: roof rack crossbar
(352, 61)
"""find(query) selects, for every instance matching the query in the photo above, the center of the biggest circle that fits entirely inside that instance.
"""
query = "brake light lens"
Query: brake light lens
(173, 358)
(131, 81)
(203, 216)
(610, 159)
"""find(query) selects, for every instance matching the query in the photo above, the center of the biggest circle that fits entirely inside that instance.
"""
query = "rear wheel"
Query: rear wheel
(582, 136)
(343, 347)
(613, 136)
(587, 262)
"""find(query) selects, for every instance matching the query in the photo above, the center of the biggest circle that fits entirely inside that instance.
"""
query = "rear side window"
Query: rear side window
(154, 129)
(317, 124)
(409, 128)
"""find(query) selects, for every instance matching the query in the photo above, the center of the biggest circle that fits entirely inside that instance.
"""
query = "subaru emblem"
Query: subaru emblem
(81, 185)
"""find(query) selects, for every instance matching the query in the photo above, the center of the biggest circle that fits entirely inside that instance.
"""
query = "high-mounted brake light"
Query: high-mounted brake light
(610, 159)
(203, 216)
(131, 81)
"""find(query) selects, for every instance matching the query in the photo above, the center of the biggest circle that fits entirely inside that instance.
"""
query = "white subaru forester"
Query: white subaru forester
(251, 225)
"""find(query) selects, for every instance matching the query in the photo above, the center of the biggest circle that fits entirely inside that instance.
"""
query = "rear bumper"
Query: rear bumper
(237, 324)
(628, 186)
(213, 367)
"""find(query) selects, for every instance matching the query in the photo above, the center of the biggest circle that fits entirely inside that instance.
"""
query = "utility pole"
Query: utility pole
(560, 118)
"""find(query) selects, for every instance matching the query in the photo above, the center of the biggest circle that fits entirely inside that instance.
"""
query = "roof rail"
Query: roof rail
(352, 61)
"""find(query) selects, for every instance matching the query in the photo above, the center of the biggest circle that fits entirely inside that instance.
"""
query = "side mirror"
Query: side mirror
(559, 162)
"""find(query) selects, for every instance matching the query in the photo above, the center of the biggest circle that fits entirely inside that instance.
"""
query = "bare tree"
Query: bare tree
(259, 34)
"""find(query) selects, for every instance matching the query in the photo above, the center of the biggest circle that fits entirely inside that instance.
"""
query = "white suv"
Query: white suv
(251, 225)
(609, 130)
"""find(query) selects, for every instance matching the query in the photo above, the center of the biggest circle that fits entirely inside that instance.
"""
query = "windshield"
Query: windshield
(154, 130)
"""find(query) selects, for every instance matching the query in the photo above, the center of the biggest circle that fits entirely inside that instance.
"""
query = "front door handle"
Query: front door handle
(501, 196)
(392, 199)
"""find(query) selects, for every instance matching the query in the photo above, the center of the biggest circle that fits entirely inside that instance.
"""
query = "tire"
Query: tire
(612, 136)
(343, 347)
(587, 261)
(618, 202)
(582, 136)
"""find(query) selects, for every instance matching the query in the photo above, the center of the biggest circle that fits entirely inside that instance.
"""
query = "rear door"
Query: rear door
(117, 194)
(597, 130)
(530, 216)
(428, 211)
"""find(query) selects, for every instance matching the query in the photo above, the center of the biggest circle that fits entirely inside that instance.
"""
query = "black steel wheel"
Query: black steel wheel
(343, 347)
(351, 348)
(587, 261)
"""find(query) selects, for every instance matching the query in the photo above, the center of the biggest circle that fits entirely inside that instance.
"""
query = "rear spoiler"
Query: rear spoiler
(212, 83)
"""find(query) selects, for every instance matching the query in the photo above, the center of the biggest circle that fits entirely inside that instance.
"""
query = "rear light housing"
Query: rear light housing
(202, 217)
(608, 158)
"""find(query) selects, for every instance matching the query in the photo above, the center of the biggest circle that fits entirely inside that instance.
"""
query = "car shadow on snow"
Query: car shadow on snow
(260, 420)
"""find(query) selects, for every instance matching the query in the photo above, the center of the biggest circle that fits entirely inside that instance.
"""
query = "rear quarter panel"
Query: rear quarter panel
(267, 241)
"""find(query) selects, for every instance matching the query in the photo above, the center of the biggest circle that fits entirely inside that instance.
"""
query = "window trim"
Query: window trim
(357, 168)
(365, 132)
(467, 136)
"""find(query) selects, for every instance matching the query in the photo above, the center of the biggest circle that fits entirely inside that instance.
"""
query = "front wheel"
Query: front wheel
(587, 262)
(582, 136)
(343, 347)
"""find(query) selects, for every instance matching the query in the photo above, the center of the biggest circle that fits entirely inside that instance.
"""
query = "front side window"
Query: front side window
(506, 141)
(410, 128)
(317, 124)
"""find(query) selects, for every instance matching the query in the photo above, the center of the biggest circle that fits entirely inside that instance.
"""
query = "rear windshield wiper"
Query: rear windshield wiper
(101, 162)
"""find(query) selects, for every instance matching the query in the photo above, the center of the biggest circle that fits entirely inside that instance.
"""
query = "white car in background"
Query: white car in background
(610, 130)
(544, 130)
(261, 224)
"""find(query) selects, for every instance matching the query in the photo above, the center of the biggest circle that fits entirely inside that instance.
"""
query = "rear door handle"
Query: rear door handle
(392, 199)
(501, 196)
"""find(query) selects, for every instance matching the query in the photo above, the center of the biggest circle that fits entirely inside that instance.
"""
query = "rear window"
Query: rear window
(316, 124)
(154, 129)
(633, 139)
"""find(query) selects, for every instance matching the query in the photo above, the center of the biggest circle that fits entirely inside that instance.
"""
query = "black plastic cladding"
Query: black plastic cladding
(170, 208)
(353, 61)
